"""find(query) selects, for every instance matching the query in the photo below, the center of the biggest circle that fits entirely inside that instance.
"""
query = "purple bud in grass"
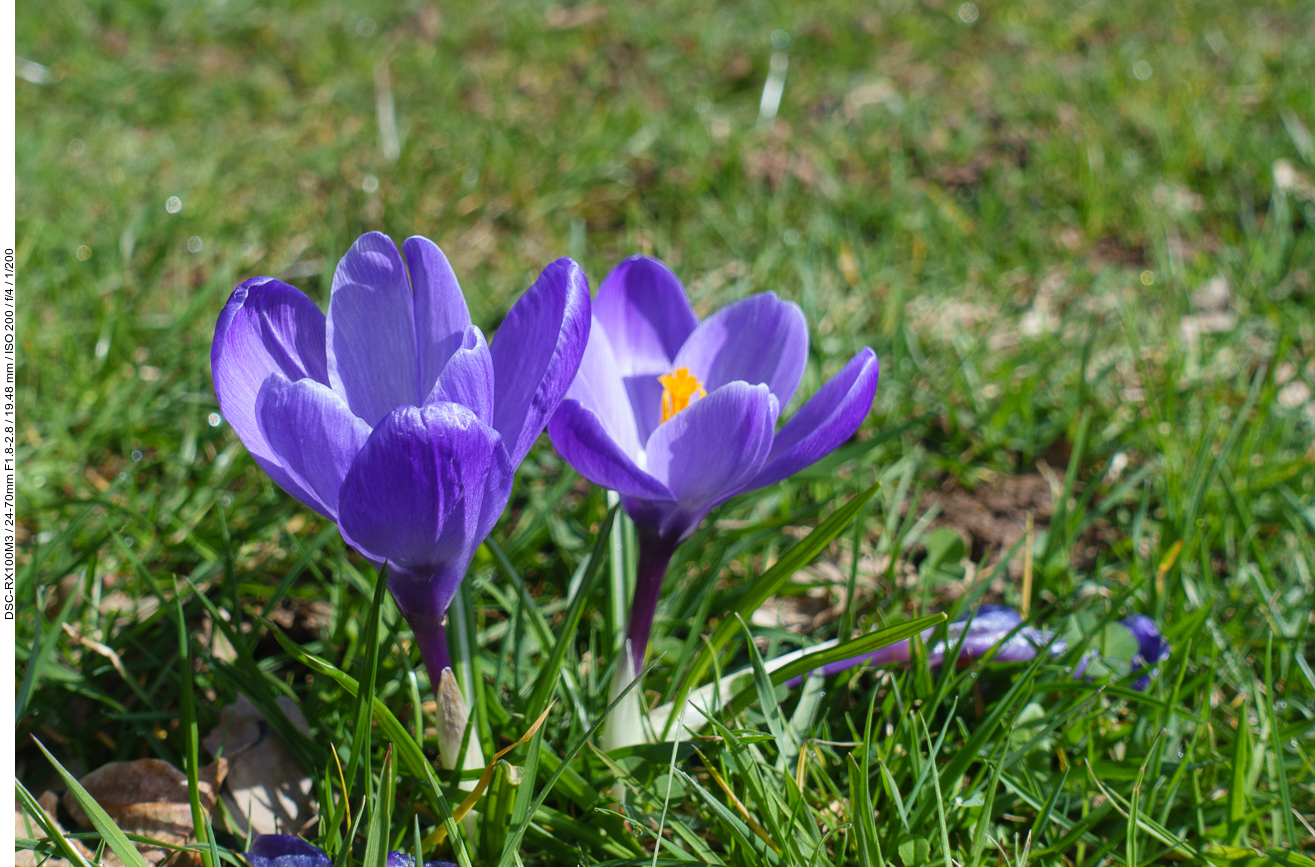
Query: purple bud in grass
(1152, 649)
(678, 416)
(999, 627)
(391, 415)
(992, 626)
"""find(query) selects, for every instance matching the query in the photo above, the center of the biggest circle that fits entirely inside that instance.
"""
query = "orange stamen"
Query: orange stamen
(679, 387)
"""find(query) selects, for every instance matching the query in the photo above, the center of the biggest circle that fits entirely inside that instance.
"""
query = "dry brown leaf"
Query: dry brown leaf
(266, 786)
(149, 797)
(565, 18)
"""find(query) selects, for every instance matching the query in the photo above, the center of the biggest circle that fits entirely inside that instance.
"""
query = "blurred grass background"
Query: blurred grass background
(1079, 236)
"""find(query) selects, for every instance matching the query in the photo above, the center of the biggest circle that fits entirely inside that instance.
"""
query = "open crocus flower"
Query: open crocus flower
(678, 416)
(391, 415)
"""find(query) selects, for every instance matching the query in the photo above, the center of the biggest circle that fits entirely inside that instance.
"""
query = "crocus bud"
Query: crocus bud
(453, 715)
(625, 726)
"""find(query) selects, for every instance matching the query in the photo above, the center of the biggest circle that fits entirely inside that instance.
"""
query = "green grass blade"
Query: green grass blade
(410, 754)
(767, 702)
(365, 697)
(513, 841)
(381, 815)
(547, 679)
(860, 808)
(41, 650)
(187, 722)
(52, 829)
(100, 820)
(800, 555)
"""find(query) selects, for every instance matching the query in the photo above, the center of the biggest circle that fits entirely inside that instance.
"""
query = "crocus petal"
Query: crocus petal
(828, 419)
(536, 353)
(285, 850)
(266, 327)
(416, 497)
(646, 314)
(313, 433)
(583, 440)
(441, 315)
(759, 339)
(599, 389)
(706, 452)
(371, 330)
(467, 378)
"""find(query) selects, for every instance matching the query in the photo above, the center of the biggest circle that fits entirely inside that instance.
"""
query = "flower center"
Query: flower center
(678, 388)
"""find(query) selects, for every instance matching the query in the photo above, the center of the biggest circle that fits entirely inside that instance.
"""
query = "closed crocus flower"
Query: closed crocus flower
(991, 626)
(1001, 628)
(678, 416)
(391, 415)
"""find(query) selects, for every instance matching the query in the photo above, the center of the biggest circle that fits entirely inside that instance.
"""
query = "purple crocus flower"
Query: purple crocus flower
(988, 627)
(288, 850)
(391, 415)
(678, 416)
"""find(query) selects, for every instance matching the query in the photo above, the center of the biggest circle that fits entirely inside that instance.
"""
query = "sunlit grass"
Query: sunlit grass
(1022, 212)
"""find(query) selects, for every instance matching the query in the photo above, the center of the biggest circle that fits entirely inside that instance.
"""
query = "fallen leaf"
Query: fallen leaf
(149, 797)
(564, 18)
(267, 790)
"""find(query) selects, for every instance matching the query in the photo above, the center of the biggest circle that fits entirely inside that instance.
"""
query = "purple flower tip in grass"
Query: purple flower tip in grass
(678, 416)
(391, 415)
(285, 850)
(1152, 649)
(991, 626)
(401, 859)
(288, 850)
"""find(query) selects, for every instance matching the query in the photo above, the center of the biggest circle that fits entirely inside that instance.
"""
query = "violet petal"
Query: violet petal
(536, 353)
(598, 388)
(583, 440)
(371, 330)
(266, 327)
(467, 378)
(314, 435)
(828, 419)
(646, 314)
(422, 494)
(758, 339)
(707, 451)
(441, 315)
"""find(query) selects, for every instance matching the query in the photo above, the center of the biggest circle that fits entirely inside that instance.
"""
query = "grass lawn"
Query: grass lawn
(1080, 237)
